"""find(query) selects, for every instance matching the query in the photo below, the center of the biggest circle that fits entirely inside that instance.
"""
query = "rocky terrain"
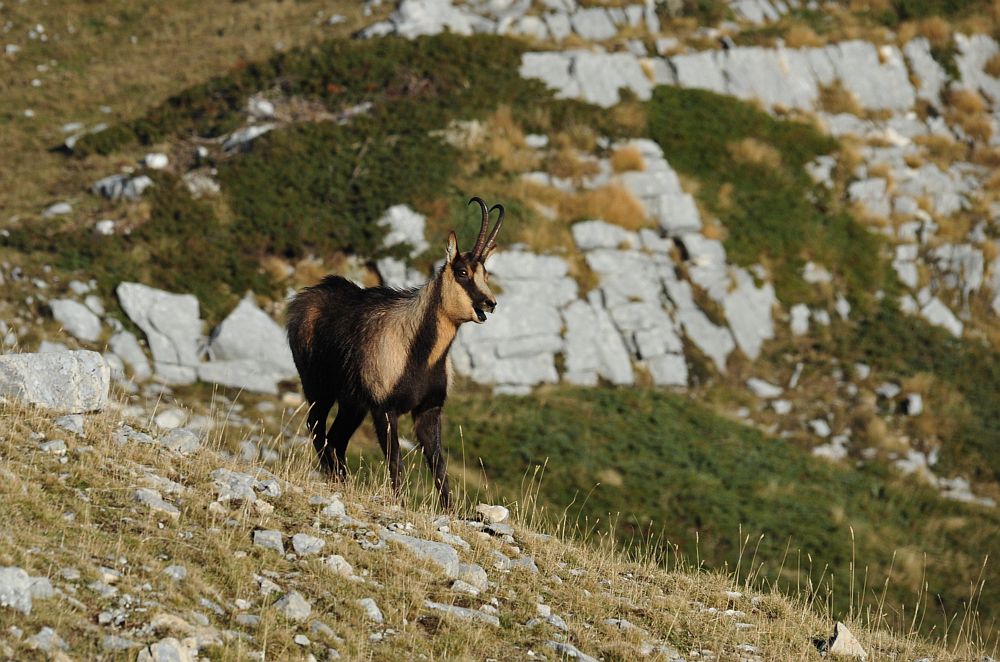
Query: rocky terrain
(787, 212)
(156, 546)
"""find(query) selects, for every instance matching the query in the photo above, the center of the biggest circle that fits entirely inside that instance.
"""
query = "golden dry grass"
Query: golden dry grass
(966, 101)
(504, 141)
(627, 158)
(936, 30)
(835, 98)
(992, 66)
(568, 162)
(612, 203)
(802, 36)
(755, 152)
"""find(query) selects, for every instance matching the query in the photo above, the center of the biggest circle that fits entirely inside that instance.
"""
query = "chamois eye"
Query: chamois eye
(462, 273)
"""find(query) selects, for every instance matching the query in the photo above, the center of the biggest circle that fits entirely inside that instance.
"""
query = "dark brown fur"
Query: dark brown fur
(384, 351)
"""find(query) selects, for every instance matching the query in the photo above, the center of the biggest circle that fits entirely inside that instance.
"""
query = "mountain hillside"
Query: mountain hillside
(748, 280)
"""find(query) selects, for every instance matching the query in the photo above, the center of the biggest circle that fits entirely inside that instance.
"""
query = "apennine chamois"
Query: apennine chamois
(385, 351)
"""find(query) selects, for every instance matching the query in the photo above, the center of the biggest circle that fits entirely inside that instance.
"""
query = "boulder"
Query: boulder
(172, 326)
(249, 334)
(121, 187)
(938, 314)
(594, 347)
(877, 78)
(702, 70)
(800, 319)
(126, 346)
(677, 213)
(169, 650)
(76, 319)
(871, 194)
(932, 77)
(748, 311)
(71, 382)
(437, 553)
(588, 235)
(463, 613)
(593, 24)
(974, 52)
(414, 18)
(18, 589)
(668, 370)
(404, 226)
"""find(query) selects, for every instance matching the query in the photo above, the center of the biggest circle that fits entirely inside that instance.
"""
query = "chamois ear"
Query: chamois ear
(452, 246)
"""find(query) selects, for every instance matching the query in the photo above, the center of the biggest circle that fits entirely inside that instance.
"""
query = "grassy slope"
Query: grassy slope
(82, 514)
(662, 466)
(767, 215)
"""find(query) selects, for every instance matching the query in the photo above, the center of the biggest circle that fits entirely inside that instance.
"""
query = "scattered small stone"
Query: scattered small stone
(499, 529)
(464, 587)
(46, 640)
(269, 540)
(843, 643)
(307, 545)
(493, 514)
(463, 613)
(56, 447)
(71, 423)
(181, 440)
(169, 650)
(339, 565)
(570, 651)
(294, 607)
(115, 643)
(301, 640)
(175, 572)
(152, 499)
(169, 419)
(372, 612)
(913, 405)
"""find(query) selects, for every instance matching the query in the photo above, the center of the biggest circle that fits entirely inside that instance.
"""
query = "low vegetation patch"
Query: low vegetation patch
(771, 208)
(687, 481)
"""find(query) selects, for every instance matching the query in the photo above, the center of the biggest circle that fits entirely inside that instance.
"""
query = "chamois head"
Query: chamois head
(466, 293)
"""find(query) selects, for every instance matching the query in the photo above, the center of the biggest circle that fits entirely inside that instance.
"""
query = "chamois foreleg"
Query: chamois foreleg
(344, 426)
(316, 421)
(386, 428)
(428, 429)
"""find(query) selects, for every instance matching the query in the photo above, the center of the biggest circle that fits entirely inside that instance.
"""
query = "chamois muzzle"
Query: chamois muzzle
(487, 306)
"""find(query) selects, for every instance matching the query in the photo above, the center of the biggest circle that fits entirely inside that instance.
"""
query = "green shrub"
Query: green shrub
(181, 248)
(773, 211)
(700, 481)
(905, 345)
(321, 187)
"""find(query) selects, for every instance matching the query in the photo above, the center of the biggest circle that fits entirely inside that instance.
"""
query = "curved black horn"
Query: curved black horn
(483, 228)
(496, 228)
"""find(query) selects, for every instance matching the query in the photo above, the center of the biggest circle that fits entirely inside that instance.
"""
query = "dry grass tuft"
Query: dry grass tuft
(504, 141)
(755, 152)
(835, 99)
(935, 30)
(567, 162)
(627, 158)
(612, 203)
(992, 66)
(966, 101)
(631, 116)
(801, 36)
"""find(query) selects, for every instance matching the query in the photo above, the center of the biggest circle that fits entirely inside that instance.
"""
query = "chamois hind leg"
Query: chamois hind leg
(428, 428)
(344, 426)
(386, 428)
(319, 410)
